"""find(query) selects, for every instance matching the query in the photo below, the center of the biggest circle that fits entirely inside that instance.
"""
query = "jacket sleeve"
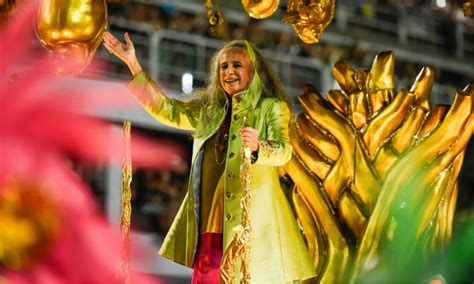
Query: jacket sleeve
(276, 149)
(167, 111)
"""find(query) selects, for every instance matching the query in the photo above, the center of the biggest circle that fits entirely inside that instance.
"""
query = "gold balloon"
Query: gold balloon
(260, 9)
(71, 30)
(310, 18)
(367, 152)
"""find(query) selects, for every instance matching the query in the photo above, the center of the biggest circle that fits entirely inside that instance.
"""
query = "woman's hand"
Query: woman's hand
(126, 52)
(249, 137)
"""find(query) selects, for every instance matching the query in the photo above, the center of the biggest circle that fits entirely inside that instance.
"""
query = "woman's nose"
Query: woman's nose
(230, 70)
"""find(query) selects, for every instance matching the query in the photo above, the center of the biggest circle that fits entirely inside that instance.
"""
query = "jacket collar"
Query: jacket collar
(250, 96)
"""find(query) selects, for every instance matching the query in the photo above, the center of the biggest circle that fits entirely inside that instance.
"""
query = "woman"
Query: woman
(243, 105)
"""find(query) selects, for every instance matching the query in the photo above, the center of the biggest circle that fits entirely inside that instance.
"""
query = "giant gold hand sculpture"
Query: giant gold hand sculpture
(368, 157)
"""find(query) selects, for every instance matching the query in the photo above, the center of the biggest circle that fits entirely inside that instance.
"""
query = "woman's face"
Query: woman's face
(235, 69)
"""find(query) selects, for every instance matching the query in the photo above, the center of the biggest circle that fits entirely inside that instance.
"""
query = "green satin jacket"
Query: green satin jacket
(278, 252)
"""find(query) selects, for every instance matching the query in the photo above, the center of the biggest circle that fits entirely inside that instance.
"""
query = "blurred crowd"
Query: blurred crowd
(156, 199)
(157, 195)
(285, 41)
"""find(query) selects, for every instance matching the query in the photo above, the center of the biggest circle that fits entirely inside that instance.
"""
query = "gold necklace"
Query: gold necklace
(217, 144)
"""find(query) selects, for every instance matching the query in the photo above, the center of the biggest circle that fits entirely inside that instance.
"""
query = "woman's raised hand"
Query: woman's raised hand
(124, 51)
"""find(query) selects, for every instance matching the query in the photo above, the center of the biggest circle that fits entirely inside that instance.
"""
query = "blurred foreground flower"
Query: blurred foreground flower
(51, 230)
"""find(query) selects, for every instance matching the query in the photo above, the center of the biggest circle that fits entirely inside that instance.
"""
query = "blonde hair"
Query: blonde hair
(213, 95)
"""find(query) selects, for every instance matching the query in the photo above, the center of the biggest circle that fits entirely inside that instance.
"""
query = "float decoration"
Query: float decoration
(310, 18)
(71, 30)
(260, 9)
(240, 245)
(214, 15)
(123, 268)
(375, 169)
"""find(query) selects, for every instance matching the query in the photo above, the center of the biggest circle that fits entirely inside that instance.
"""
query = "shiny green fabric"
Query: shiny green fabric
(278, 252)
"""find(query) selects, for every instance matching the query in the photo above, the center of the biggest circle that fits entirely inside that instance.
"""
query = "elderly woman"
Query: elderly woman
(243, 105)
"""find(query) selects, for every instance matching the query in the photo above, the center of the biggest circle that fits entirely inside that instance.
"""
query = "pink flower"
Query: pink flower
(51, 230)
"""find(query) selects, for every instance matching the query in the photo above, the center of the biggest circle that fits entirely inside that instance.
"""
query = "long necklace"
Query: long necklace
(223, 128)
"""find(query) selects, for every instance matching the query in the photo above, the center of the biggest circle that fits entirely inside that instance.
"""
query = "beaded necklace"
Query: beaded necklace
(221, 140)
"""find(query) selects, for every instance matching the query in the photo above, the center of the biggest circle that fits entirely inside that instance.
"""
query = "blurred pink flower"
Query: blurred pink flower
(51, 230)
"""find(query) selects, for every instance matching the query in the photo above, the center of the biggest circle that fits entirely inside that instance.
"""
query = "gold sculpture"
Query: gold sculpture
(240, 245)
(215, 18)
(310, 18)
(366, 158)
(260, 9)
(71, 30)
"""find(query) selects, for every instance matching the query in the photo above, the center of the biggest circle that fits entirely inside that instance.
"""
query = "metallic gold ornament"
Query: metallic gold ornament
(125, 218)
(468, 8)
(260, 9)
(71, 30)
(240, 245)
(375, 170)
(214, 15)
(310, 18)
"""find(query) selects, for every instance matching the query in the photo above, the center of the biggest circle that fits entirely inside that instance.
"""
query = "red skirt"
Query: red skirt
(208, 259)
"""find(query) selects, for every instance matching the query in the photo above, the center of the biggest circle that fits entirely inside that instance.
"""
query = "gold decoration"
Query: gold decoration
(71, 30)
(366, 158)
(124, 266)
(216, 20)
(260, 9)
(29, 224)
(240, 245)
(468, 8)
(310, 18)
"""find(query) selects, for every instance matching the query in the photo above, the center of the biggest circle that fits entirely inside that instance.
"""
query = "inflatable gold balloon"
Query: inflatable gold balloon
(71, 30)
(375, 170)
(260, 9)
(310, 18)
